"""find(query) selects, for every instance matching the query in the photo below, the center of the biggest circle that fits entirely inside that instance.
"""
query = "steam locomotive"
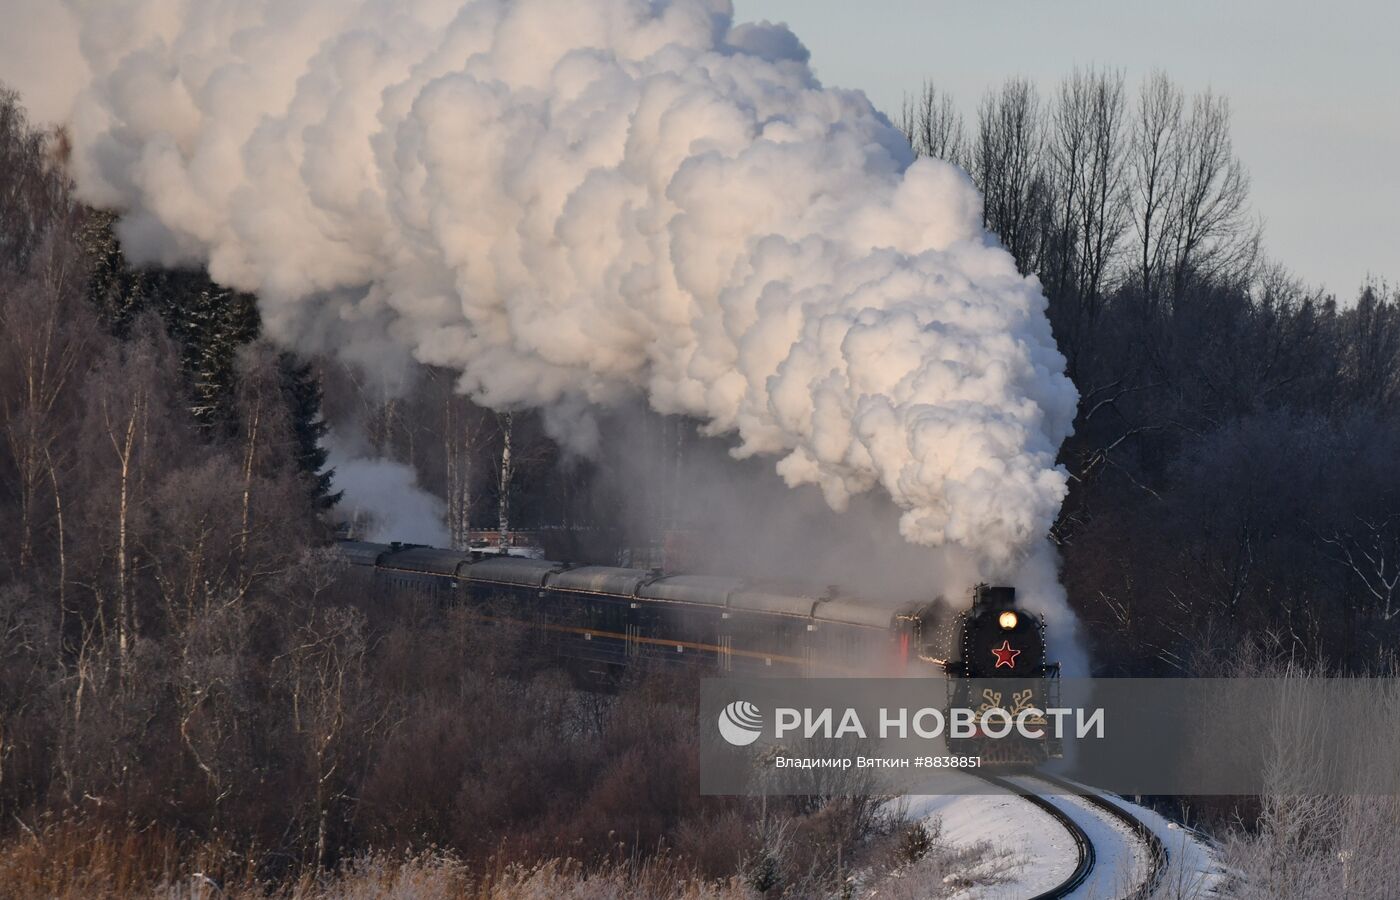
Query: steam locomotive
(608, 619)
(995, 657)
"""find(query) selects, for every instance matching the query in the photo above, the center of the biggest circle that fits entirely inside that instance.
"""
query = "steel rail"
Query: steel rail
(1084, 848)
(1156, 850)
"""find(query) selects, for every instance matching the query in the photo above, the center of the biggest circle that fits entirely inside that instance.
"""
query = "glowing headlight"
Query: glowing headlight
(1007, 620)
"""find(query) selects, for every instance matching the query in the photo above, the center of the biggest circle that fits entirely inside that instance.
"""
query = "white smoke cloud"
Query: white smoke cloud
(575, 201)
(382, 500)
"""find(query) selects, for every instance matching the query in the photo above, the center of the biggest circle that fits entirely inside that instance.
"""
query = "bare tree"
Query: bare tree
(35, 191)
(1008, 165)
(133, 423)
(259, 398)
(1086, 151)
(208, 692)
(44, 330)
(1191, 192)
(934, 126)
(1369, 549)
(505, 475)
(323, 670)
(1102, 204)
(124, 425)
(1156, 174)
(465, 435)
(1214, 236)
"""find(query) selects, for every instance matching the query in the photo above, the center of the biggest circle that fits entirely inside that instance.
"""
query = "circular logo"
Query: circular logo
(740, 723)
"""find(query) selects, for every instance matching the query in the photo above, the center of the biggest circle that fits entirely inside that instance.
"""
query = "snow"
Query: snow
(1194, 870)
(1039, 849)
(1042, 853)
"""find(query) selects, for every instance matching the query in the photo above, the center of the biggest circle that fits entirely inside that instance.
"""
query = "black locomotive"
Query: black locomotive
(995, 656)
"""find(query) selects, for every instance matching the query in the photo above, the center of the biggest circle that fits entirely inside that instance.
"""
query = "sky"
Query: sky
(1315, 93)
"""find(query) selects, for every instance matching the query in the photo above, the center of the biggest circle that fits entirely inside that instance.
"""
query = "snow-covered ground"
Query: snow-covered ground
(1194, 871)
(1036, 853)
(1121, 861)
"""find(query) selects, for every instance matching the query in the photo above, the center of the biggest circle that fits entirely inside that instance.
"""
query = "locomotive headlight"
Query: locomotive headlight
(1008, 620)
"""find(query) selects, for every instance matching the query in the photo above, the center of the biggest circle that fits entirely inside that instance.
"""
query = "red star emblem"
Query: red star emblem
(1005, 655)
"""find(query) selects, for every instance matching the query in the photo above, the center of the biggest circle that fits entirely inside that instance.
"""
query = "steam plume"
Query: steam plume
(575, 201)
(381, 499)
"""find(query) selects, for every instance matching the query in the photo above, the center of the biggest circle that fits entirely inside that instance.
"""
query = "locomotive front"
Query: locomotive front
(997, 640)
(995, 657)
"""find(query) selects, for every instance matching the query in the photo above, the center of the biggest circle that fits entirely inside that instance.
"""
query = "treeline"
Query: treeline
(194, 702)
(1236, 458)
(1093, 189)
(500, 472)
(160, 479)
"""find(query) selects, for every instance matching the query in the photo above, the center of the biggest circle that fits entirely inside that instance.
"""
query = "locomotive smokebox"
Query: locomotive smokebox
(987, 597)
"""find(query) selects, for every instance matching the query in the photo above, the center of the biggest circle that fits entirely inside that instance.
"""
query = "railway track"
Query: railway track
(1153, 848)
(1087, 855)
(1084, 848)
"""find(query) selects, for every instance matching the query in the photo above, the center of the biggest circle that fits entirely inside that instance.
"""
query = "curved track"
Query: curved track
(1155, 851)
(1153, 848)
(1082, 845)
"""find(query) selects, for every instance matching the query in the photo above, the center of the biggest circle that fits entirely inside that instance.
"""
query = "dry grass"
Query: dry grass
(74, 862)
(945, 875)
(73, 859)
(942, 870)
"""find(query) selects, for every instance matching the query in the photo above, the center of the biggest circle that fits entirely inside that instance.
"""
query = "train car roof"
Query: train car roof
(706, 590)
(601, 580)
(511, 570)
(427, 559)
(361, 553)
(850, 611)
(773, 601)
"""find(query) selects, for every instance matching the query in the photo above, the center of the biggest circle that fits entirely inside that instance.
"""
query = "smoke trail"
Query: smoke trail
(574, 201)
(382, 500)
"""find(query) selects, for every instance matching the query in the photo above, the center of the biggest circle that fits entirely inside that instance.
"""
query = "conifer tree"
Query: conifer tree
(302, 392)
(209, 323)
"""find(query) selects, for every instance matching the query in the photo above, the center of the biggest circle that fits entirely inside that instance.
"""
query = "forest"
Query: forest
(1235, 467)
(186, 688)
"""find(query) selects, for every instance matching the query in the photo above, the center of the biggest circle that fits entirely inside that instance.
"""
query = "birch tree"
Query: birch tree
(323, 668)
(505, 476)
(44, 336)
(466, 432)
(132, 433)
